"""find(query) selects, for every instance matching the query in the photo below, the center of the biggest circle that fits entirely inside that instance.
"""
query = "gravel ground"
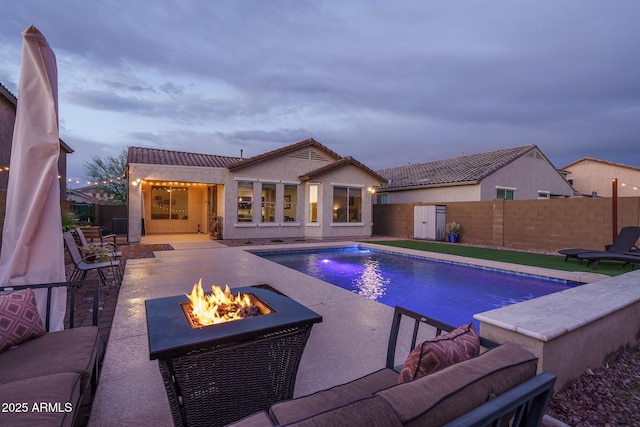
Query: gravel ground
(607, 396)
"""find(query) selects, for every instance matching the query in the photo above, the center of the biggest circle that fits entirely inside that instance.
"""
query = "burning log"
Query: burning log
(220, 306)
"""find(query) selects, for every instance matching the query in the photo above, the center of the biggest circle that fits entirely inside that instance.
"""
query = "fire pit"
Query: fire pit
(217, 374)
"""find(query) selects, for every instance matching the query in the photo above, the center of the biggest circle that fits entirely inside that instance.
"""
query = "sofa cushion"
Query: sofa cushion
(49, 400)
(301, 407)
(71, 350)
(371, 411)
(437, 353)
(19, 318)
(444, 395)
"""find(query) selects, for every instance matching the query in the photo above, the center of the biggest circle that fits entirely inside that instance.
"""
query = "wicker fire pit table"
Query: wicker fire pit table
(217, 374)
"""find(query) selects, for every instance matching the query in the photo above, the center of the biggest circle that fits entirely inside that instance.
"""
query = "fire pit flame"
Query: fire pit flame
(220, 306)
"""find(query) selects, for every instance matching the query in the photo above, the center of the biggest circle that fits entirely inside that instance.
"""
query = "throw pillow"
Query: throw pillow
(444, 350)
(19, 318)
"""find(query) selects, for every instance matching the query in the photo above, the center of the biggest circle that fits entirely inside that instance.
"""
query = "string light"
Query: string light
(78, 180)
(635, 187)
(104, 181)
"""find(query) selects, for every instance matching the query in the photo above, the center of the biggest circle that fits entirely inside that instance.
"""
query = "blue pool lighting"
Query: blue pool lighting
(450, 292)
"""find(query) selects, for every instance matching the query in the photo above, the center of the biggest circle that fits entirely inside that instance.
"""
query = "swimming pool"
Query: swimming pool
(450, 292)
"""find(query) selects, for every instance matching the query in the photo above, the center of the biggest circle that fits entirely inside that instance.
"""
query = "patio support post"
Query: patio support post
(614, 208)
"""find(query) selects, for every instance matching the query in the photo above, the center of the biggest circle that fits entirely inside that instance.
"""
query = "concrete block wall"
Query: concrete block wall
(523, 224)
(393, 220)
(476, 219)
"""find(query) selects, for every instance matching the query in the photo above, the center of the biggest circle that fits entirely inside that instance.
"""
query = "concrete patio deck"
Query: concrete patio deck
(350, 342)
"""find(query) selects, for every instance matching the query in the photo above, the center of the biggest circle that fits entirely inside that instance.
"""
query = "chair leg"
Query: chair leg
(102, 276)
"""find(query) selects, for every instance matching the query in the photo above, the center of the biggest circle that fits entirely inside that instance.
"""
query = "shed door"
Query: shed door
(424, 222)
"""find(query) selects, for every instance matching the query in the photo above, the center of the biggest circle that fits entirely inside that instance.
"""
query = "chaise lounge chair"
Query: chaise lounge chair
(594, 257)
(624, 243)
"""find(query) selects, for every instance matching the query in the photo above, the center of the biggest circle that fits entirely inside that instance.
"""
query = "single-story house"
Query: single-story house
(303, 190)
(521, 173)
(593, 177)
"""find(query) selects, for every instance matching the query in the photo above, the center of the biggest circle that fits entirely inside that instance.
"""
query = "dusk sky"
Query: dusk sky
(389, 83)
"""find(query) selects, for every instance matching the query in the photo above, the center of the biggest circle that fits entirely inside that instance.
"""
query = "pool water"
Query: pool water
(447, 291)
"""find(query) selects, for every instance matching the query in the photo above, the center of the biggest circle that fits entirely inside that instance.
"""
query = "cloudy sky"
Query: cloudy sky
(387, 82)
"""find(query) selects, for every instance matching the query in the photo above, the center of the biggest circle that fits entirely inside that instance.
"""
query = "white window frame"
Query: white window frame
(505, 189)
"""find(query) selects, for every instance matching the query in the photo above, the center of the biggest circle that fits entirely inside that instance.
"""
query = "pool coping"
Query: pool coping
(523, 317)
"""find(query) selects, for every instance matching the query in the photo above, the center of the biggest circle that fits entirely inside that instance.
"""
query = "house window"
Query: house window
(347, 204)
(505, 193)
(290, 202)
(169, 202)
(245, 201)
(268, 203)
(544, 195)
(382, 199)
(313, 203)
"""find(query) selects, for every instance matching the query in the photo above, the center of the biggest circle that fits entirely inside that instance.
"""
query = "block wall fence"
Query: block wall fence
(546, 225)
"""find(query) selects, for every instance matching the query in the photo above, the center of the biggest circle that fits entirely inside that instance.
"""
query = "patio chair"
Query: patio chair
(82, 266)
(594, 257)
(113, 248)
(93, 233)
(625, 242)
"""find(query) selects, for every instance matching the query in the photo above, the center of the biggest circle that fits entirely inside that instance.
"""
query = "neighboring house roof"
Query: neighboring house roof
(74, 195)
(309, 142)
(7, 94)
(154, 156)
(606, 162)
(338, 164)
(457, 170)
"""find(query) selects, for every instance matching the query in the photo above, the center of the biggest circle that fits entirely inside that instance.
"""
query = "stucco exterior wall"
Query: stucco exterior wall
(286, 170)
(282, 170)
(352, 177)
(460, 193)
(592, 176)
(528, 175)
(166, 174)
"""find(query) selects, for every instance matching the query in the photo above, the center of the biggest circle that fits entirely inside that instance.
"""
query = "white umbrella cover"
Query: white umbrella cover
(32, 246)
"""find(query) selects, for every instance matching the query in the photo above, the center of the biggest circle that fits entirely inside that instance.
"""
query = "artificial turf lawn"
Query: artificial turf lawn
(556, 262)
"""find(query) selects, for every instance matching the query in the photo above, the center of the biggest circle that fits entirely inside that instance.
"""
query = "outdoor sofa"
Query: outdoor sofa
(45, 375)
(496, 387)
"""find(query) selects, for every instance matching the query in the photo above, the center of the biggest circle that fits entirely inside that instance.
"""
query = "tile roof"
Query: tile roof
(7, 94)
(309, 142)
(471, 168)
(154, 156)
(338, 164)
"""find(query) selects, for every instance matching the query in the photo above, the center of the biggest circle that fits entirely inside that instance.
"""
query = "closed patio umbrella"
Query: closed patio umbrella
(32, 247)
